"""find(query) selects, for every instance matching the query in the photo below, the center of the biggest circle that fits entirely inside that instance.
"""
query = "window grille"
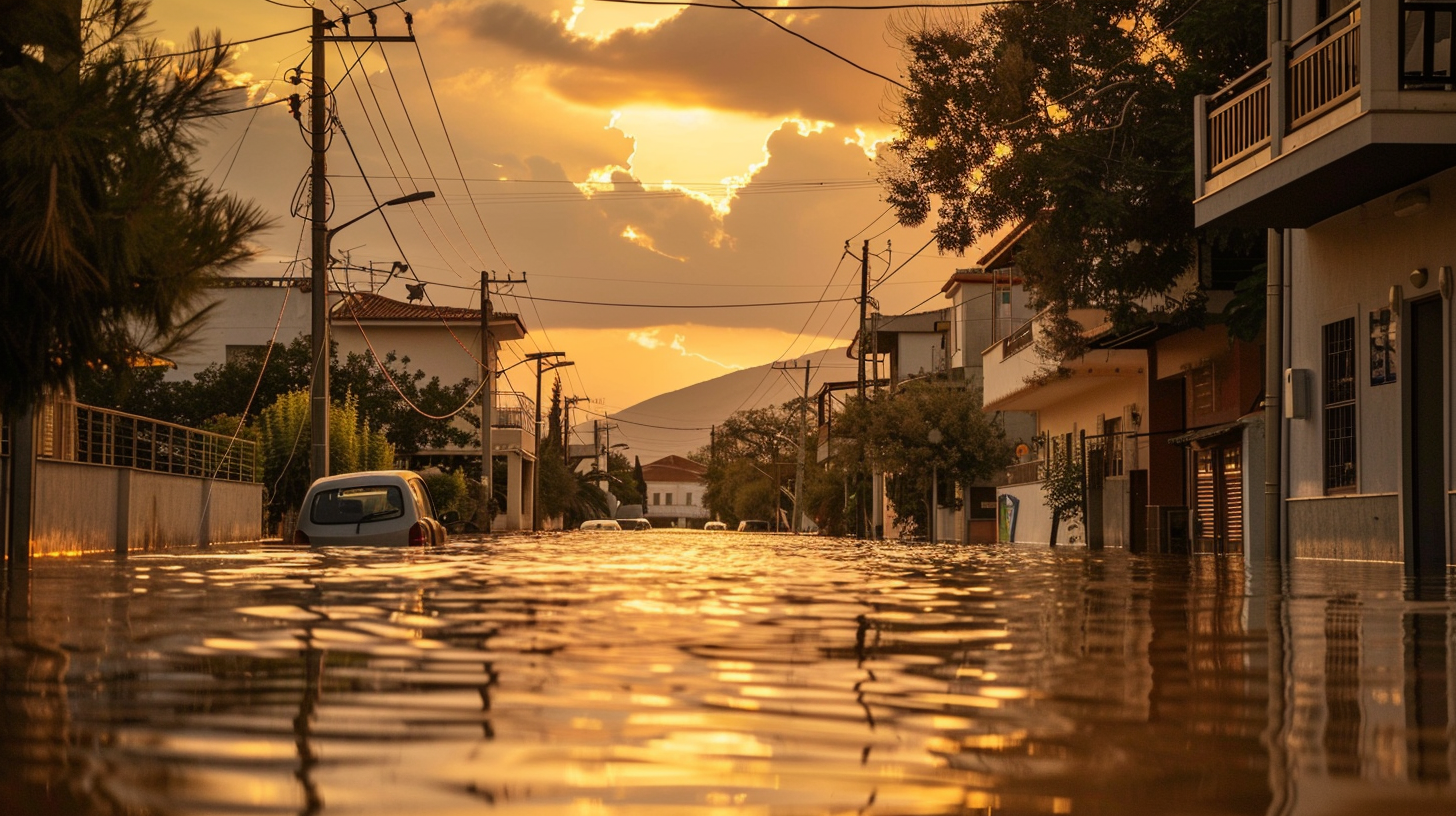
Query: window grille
(1339, 405)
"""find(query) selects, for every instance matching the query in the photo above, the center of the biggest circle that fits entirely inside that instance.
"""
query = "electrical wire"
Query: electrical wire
(679, 305)
(846, 60)
(820, 7)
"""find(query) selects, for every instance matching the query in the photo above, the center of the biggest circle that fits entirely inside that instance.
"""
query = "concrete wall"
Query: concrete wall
(1345, 267)
(243, 316)
(1034, 520)
(1356, 528)
(89, 508)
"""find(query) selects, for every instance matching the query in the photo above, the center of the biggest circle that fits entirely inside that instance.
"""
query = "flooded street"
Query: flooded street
(679, 672)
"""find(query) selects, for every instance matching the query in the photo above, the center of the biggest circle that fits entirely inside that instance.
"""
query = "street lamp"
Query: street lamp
(319, 390)
(541, 367)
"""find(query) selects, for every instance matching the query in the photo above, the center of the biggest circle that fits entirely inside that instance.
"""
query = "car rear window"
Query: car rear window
(351, 505)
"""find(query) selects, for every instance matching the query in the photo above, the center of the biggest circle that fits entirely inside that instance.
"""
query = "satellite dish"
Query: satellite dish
(416, 291)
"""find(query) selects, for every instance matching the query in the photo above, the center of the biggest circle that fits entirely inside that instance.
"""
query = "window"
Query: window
(688, 500)
(667, 498)
(1339, 405)
(657, 498)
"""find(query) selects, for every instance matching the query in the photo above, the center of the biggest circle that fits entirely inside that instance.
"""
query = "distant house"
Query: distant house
(247, 313)
(675, 489)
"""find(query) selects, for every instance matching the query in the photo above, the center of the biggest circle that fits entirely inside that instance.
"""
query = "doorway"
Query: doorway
(1425, 476)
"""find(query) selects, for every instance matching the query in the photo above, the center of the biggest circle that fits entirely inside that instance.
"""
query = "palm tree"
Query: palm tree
(107, 235)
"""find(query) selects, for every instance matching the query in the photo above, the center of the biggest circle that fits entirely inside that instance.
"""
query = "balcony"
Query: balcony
(1019, 378)
(513, 423)
(1358, 107)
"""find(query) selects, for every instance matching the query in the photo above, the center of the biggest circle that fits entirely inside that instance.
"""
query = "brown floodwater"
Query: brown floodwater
(678, 672)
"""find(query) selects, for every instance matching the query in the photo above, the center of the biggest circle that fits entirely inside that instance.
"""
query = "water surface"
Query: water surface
(678, 672)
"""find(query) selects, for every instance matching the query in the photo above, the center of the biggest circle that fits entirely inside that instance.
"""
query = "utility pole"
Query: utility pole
(319, 215)
(487, 398)
(803, 438)
(861, 499)
(541, 368)
(487, 409)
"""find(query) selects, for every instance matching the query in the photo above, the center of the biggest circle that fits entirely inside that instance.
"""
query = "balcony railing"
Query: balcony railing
(1238, 121)
(71, 432)
(1025, 472)
(513, 410)
(1321, 70)
(1326, 71)
(1017, 341)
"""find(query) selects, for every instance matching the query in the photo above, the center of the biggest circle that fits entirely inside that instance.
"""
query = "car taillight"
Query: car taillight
(418, 536)
(300, 537)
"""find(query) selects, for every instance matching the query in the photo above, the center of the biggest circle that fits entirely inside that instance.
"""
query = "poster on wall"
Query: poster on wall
(1382, 347)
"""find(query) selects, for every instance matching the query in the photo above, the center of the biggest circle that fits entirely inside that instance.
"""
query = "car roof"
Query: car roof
(366, 477)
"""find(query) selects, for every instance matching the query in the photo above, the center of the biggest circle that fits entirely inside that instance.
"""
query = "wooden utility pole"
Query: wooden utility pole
(803, 438)
(319, 215)
(487, 408)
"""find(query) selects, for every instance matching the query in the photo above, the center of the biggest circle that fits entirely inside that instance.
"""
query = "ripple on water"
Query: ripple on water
(675, 673)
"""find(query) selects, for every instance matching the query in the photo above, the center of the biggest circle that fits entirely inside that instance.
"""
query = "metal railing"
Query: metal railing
(513, 410)
(72, 432)
(1026, 472)
(1017, 341)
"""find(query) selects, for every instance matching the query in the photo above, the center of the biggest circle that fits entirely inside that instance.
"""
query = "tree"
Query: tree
(1075, 116)
(107, 234)
(743, 471)
(282, 432)
(918, 429)
(1063, 487)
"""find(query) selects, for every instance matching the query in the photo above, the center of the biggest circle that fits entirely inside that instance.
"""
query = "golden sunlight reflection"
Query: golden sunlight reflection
(684, 673)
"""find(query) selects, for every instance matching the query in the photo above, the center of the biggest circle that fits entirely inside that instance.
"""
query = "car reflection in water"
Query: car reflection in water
(694, 674)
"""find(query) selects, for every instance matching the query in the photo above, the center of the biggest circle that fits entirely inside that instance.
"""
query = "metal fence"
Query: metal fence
(72, 432)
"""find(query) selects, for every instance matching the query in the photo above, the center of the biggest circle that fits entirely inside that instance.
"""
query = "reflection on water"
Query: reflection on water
(688, 673)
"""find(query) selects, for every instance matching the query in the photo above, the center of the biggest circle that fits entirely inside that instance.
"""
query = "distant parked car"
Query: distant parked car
(635, 524)
(601, 524)
(715, 525)
(753, 526)
(389, 507)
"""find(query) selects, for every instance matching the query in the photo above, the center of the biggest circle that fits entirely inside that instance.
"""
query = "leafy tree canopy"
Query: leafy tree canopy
(107, 234)
(1076, 116)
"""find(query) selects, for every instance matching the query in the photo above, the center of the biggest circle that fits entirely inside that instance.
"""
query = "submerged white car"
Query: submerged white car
(389, 507)
(600, 524)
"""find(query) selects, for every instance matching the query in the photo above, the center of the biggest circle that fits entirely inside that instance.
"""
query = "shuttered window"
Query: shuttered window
(1339, 405)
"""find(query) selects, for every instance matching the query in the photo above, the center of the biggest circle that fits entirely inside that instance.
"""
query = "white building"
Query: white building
(675, 489)
(1342, 146)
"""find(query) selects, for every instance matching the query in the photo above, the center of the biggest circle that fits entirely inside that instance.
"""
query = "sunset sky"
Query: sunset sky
(621, 153)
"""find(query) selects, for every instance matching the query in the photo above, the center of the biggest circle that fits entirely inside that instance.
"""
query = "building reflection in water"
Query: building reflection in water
(1069, 681)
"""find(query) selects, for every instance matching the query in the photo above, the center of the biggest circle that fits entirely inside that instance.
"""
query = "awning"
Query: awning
(1208, 432)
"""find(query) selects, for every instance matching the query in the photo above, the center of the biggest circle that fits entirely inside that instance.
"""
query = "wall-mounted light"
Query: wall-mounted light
(1418, 277)
(1444, 282)
(1411, 202)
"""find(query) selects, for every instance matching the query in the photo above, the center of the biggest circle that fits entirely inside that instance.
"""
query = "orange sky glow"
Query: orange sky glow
(664, 156)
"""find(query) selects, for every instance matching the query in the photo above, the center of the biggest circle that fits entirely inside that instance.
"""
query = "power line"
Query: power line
(846, 60)
(679, 305)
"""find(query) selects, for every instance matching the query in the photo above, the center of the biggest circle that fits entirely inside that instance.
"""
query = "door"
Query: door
(1218, 498)
(1425, 544)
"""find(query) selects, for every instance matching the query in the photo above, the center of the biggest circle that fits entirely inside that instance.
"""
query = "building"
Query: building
(1342, 146)
(245, 314)
(675, 489)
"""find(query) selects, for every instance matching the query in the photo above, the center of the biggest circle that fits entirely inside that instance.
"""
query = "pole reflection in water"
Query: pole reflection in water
(690, 673)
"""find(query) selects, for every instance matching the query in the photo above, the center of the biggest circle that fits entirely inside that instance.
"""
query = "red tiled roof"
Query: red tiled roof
(369, 306)
(674, 469)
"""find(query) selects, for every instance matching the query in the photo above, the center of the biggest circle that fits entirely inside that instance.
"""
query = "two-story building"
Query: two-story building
(245, 314)
(675, 490)
(1342, 145)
